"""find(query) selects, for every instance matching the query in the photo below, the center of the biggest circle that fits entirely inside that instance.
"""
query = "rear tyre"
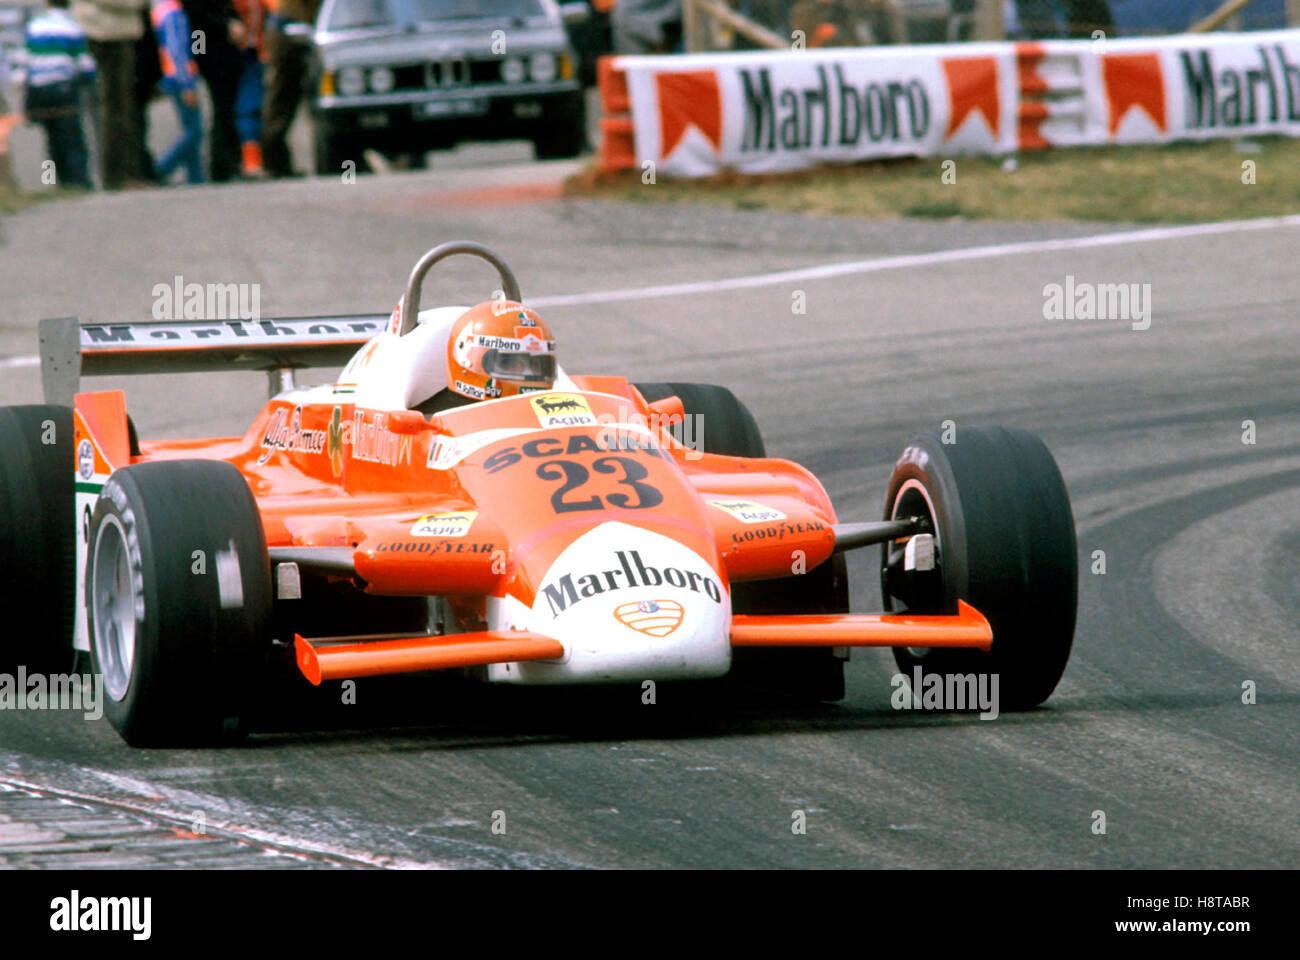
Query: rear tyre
(1004, 542)
(38, 552)
(178, 598)
(728, 428)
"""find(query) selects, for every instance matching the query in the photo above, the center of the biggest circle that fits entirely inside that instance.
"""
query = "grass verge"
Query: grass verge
(1180, 183)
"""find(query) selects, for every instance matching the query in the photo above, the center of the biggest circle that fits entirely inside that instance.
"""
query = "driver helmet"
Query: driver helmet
(500, 348)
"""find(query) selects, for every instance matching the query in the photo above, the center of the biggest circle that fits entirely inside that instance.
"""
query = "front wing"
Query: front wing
(332, 661)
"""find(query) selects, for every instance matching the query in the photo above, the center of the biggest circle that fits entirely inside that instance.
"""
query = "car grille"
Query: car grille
(446, 74)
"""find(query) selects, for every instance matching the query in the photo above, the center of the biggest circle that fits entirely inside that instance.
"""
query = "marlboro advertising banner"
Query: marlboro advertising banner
(768, 112)
(1193, 87)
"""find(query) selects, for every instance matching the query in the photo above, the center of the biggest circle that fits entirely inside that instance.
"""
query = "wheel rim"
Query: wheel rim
(113, 600)
(913, 500)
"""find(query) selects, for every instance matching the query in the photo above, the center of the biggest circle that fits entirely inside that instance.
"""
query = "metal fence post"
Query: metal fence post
(988, 20)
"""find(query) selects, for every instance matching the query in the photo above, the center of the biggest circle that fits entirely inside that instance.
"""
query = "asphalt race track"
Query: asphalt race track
(1200, 530)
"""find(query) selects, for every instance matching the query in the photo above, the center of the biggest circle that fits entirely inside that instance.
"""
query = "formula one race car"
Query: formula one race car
(592, 532)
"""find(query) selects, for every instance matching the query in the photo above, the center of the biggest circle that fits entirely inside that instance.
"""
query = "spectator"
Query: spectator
(58, 66)
(148, 71)
(248, 99)
(180, 79)
(286, 72)
(220, 64)
(112, 28)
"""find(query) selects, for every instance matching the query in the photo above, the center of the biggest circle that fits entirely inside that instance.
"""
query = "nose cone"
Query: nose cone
(630, 605)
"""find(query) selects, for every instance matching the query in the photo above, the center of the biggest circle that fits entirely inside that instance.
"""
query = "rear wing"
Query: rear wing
(71, 349)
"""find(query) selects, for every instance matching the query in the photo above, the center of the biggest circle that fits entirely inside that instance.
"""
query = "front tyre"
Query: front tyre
(1004, 541)
(178, 597)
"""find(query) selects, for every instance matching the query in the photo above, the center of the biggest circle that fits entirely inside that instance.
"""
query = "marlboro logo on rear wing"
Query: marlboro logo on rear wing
(71, 349)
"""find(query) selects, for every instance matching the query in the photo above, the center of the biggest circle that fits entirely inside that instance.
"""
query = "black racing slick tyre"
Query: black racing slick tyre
(727, 427)
(1004, 542)
(725, 424)
(178, 602)
(38, 551)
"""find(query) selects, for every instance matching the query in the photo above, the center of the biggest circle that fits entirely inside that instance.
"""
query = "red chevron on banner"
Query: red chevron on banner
(1134, 80)
(689, 98)
(972, 85)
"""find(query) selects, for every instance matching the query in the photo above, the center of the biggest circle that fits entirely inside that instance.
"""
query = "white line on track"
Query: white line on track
(906, 261)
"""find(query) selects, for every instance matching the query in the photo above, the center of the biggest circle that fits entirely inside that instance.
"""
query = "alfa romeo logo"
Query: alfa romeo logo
(655, 617)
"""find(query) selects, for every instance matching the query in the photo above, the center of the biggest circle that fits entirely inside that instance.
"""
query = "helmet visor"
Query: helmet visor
(519, 366)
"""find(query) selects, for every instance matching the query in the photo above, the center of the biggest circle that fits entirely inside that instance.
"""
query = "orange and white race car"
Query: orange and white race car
(589, 531)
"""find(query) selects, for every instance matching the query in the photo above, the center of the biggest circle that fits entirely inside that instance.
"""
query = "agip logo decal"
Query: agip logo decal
(658, 618)
(562, 410)
(455, 524)
(747, 511)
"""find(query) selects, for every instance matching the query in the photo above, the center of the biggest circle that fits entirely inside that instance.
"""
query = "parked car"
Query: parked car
(409, 76)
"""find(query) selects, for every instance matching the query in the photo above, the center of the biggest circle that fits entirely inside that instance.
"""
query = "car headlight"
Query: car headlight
(381, 80)
(351, 81)
(512, 70)
(541, 67)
